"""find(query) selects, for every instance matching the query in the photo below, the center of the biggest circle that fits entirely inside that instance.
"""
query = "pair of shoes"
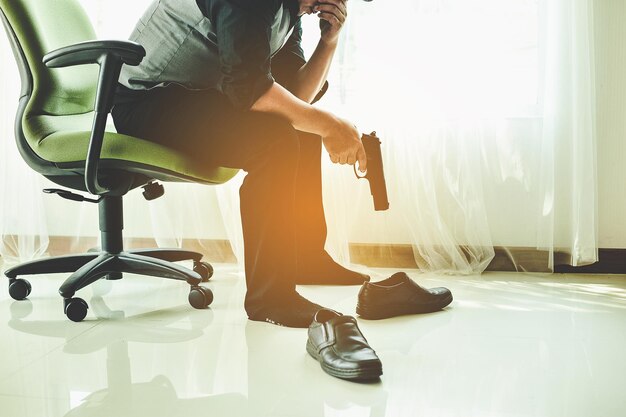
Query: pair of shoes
(337, 343)
(398, 295)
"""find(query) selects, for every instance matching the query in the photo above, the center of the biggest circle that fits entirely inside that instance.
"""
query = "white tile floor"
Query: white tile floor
(509, 345)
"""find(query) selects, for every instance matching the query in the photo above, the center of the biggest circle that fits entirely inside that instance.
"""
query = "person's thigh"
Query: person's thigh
(205, 125)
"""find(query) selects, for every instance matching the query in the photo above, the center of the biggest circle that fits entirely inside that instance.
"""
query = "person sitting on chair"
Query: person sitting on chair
(227, 79)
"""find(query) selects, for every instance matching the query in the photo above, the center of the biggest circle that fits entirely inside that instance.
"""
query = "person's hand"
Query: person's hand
(342, 140)
(333, 15)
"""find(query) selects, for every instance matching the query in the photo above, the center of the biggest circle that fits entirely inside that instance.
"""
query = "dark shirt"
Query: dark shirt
(235, 46)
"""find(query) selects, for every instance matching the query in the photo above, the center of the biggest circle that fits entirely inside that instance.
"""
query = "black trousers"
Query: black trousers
(281, 197)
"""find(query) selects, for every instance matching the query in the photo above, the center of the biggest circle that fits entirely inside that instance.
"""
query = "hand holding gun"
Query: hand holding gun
(375, 173)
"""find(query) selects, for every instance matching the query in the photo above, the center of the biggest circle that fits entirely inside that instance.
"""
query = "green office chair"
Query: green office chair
(60, 133)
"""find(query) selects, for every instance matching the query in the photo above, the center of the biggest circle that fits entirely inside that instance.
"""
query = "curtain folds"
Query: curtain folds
(569, 214)
(486, 110)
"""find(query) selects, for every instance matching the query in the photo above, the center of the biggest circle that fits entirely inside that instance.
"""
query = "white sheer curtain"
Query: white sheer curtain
(569, 213)
(486, 112)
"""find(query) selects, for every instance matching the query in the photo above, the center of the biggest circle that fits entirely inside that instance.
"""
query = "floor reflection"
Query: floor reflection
(279, 379)
(509, 345)
(305, 390)
(122, 397)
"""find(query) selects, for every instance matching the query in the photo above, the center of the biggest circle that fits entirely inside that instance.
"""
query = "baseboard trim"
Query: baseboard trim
(510, 259)
(610, 261)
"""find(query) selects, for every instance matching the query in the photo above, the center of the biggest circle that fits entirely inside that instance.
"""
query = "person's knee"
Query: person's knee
(280, 138)
(274, 126)
(310, 146)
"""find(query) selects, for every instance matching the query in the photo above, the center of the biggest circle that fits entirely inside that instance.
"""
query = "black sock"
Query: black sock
(325, 271)
(292, 311)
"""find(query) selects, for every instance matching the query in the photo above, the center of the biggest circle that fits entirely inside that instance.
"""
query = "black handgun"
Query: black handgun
(375, 173)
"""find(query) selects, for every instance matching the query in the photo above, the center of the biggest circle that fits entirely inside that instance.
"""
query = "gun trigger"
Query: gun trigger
(359, 177)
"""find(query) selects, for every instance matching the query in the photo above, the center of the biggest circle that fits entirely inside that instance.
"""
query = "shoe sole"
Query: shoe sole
(395, 311)
(366, 374)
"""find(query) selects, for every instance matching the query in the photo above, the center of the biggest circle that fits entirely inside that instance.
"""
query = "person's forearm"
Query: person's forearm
(311, 77)
(301, 115)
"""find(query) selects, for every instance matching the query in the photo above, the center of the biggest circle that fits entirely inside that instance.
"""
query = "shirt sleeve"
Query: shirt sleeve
(290, 58)
(243, 31)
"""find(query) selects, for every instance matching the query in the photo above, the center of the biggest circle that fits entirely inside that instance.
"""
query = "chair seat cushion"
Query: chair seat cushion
(64, 140)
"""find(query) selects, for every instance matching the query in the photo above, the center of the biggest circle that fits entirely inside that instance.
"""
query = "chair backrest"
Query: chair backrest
(36, 27)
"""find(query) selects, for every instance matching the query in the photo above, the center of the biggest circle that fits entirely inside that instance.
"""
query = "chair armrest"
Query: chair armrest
(92, 52)
(110, 56)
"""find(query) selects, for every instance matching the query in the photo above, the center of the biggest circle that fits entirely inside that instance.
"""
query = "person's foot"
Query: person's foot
(292, 311)
(326, 271)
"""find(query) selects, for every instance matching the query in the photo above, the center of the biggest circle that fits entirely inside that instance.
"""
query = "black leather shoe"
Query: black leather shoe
(398, 295)
(336, 342)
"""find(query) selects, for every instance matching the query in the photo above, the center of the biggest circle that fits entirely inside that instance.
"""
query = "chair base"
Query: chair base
(87, 268)
(111, 262)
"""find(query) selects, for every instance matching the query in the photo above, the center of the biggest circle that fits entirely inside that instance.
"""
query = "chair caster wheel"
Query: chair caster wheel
(205, 270)
(200, 297)
(19, 289)
(76, 309)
